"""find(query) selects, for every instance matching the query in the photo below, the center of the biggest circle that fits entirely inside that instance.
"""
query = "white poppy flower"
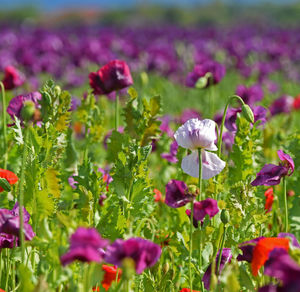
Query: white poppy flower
(195, 134)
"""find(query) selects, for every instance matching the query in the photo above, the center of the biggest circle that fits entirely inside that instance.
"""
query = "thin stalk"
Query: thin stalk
(117, 111)
(221, 250)
(4, 125)
(223, 120)
(21, 196)
(285, 206)
(7, 268)
(191, 245)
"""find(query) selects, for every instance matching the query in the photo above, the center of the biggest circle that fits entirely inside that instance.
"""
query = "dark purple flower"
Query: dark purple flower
(171, 157)
(7, 240)
(177, 194)
(226, 258)
(86, 245)
(292, 237)
(12, 78)
(10, 222)
(201, 209)
(16, 104)
(113, 76)
(145, 253)
(228, 140)
(271, 174)
(251, 94)
(284, 104)
(215, 70)
(247, 248)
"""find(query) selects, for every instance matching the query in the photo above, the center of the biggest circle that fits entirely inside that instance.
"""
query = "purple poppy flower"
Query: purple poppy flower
(10, 222)
(284, 104)
(225, 258)
(177, 194)
(188, 114)
(251, 94)
(291, 236)
(86, 245)
(228, 140)
(7, 240)
(247, 248)
(281, 266)
(145, 253)
(171, 157)
(16, 104)
(216, 70)
(164, 126)
(113, 76)
(271, 174)
(201, 209)
(12, 78)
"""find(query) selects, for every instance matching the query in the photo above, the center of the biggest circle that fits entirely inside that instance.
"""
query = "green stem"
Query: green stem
(223, 120)
(191, 245)
(4, 125)
(21, 196)
(285, 206)
(117, 111)
(221, 250)
(200, 174)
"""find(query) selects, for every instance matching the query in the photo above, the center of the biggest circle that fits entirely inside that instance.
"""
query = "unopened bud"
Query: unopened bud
(225, 217)
(28, 110)
(57, 90)
(166, 268)
(247, 113)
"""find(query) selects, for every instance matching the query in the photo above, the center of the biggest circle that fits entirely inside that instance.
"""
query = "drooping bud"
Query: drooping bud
(247, 113)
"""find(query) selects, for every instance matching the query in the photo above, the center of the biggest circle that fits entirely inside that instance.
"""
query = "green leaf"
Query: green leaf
(51, 177)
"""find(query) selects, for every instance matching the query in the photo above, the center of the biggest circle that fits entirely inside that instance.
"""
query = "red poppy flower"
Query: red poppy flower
(109, 276)
(187, 290)
(9, 176)
(262, 250)
(269, 194)
(12, 78)
(296, 103)
(158, 196)
(1, 290)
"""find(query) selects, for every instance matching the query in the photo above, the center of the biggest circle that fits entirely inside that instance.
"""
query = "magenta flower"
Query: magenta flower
(16, 104)
(86, 245)
(214, 70)
(10, 224)
(171, 156)
(113, 76)
(144, 253)
(251, 94)
(201, 209)
(177, 194)
(271, 174)
(225, 258)
(12, 78)
(284, 104)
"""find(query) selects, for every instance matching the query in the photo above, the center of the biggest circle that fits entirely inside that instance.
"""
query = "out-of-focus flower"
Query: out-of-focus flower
(292, 237)
(165, 127)
(85, 246)
(201, 209)
(188, 114)
(247, 248)
(10, 225)
(188, 290)
(269, 194)
(171, 157)
(296, 102)
(283, 104)
(177, 194)
(110, 275)
(17, 103)
(113, 76)
(225, 258)
(196, 134)
(102, 198)
(12, 78)
(251, 94)
(262, 250)
(158, 196)
(271, 174)
(143, 252)
(214, 72)
(106, 177)
(72, 182)
(9, 176)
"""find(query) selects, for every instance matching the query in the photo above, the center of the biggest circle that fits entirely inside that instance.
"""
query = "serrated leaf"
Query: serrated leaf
(45, 204)
(51, 177)
(18, 135)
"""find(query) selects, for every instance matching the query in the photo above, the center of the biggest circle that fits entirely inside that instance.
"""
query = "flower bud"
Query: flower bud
(166, 267)
(57, 90)
(225, 217)
(28, 110)
(247, 113)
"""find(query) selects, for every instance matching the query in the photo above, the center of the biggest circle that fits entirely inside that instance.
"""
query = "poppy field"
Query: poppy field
(149, 159)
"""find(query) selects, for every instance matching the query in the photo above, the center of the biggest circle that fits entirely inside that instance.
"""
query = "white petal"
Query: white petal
(197, 134)
(211, 165)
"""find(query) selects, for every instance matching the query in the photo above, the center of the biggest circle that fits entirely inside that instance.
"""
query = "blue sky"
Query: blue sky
(107, 4)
